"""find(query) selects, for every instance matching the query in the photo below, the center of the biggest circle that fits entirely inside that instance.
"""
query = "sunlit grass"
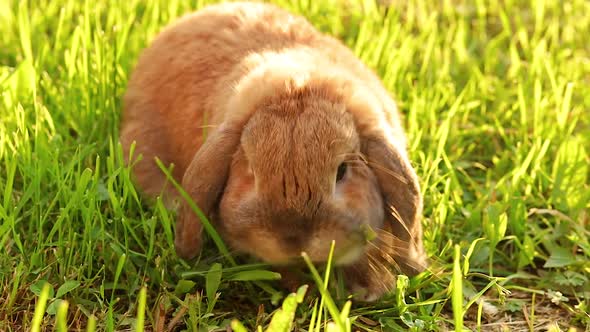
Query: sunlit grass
(496, 102)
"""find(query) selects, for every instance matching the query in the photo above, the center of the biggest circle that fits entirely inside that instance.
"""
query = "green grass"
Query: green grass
(496, 99)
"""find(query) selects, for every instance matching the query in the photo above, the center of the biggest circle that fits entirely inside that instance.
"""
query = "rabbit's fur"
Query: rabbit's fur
(258, 111)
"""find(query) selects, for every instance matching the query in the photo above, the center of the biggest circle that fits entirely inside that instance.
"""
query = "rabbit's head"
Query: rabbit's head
(304, 158)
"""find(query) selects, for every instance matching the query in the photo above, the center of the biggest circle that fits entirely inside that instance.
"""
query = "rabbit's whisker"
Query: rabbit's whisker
(388, 171)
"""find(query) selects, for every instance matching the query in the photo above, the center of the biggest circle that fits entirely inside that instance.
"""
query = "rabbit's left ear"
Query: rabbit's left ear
(204, 181)
(401, 197)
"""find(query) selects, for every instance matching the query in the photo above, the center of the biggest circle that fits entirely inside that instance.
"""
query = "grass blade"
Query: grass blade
(457, 290)
(62, 317)
(141, 310)
(40, 308)
(332, 308)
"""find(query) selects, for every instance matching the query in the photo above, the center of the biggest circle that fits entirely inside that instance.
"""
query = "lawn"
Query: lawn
(496, 102)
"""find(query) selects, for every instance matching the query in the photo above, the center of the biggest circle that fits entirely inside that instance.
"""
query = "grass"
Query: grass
(496, 101)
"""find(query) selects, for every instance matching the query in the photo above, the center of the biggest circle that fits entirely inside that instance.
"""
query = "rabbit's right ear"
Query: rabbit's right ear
(401, 194)
(204, 181)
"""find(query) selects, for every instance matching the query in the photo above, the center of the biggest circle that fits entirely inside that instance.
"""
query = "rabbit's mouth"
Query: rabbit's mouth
(349, 247)
(349, 255)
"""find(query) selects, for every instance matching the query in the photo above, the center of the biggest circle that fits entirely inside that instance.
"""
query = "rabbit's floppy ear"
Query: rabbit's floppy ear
(204, 181)
(401, 196)
(383, 144)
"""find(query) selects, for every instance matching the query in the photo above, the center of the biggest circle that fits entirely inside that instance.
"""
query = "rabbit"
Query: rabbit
(282, 137)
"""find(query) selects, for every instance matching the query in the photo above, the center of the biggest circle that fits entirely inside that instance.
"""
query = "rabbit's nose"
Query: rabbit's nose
(293, 230)
(293, 241)
(297, 234)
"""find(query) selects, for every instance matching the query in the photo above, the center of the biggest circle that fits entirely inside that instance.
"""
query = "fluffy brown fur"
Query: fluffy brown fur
(283, 108)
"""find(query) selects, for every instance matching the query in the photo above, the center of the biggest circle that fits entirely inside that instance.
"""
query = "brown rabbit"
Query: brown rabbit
(282, 137)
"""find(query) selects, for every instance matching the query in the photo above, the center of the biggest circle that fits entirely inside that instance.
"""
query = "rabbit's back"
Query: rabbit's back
(180, 80)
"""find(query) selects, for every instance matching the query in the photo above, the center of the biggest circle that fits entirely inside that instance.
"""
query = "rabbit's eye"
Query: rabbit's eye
(341, 172)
